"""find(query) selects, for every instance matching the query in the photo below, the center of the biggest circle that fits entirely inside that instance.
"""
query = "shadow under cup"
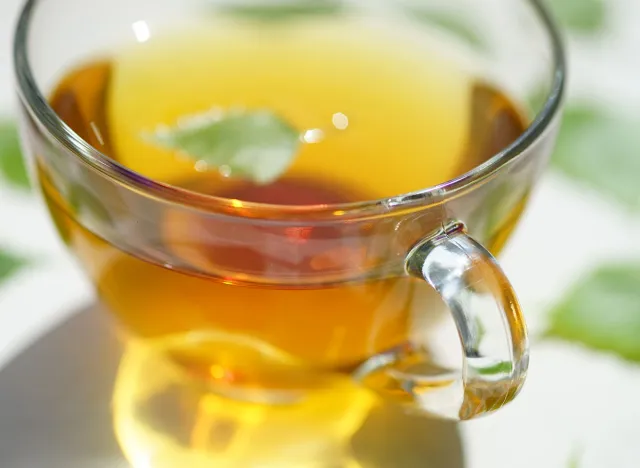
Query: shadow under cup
(267, 302)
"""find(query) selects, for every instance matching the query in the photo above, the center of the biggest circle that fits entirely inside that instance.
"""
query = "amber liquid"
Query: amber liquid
(414, 118)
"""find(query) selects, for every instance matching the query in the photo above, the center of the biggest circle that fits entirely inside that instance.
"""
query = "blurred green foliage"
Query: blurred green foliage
(603, 311)
(9, 264)
(599, 149)
(12, 166)
(580, 16)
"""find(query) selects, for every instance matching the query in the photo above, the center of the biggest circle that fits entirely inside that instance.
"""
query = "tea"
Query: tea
(378, 115)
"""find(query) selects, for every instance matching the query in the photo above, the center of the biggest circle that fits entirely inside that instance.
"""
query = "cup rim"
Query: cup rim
(39, 108)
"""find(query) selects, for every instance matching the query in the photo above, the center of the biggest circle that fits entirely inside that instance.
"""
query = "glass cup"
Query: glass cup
(266, 303)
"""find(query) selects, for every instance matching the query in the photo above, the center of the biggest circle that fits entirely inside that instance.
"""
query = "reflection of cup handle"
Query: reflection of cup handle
(490, 325)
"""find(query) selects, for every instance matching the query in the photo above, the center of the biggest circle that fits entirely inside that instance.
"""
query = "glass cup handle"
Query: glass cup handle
(490, 325)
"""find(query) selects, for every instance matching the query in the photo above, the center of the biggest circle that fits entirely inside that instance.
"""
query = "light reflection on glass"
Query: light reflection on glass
(141, 31)
(314, 135)
(340, 121)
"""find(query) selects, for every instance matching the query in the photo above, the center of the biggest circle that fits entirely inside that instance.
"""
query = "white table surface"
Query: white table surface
(574, 398)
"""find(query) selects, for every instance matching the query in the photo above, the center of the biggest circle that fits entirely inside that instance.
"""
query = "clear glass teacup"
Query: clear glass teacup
(268, 301)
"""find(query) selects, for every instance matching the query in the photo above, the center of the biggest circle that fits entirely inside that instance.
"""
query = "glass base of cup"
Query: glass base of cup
(167, 416)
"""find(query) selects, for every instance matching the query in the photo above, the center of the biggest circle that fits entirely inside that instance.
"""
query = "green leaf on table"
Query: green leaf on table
(255, 145)
(457, 25)
(278, 11)
(600, 150)
(602, 312)
(12, 166)
(581, 16)
(9, 264)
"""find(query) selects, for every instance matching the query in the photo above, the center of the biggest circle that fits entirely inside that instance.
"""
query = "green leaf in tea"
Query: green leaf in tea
(9, 264)
(450, 22)
(582, 16)
(279, 11)
(256, 145)
(603, 312)
(12, 166)
(600, 150)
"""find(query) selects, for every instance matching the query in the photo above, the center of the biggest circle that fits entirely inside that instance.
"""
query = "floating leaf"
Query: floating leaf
(257, 145)
(603, 312)
(583, 16)
(12, 165)
(9, 264)
(601, 150)
(278, 11)
(457, 25)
